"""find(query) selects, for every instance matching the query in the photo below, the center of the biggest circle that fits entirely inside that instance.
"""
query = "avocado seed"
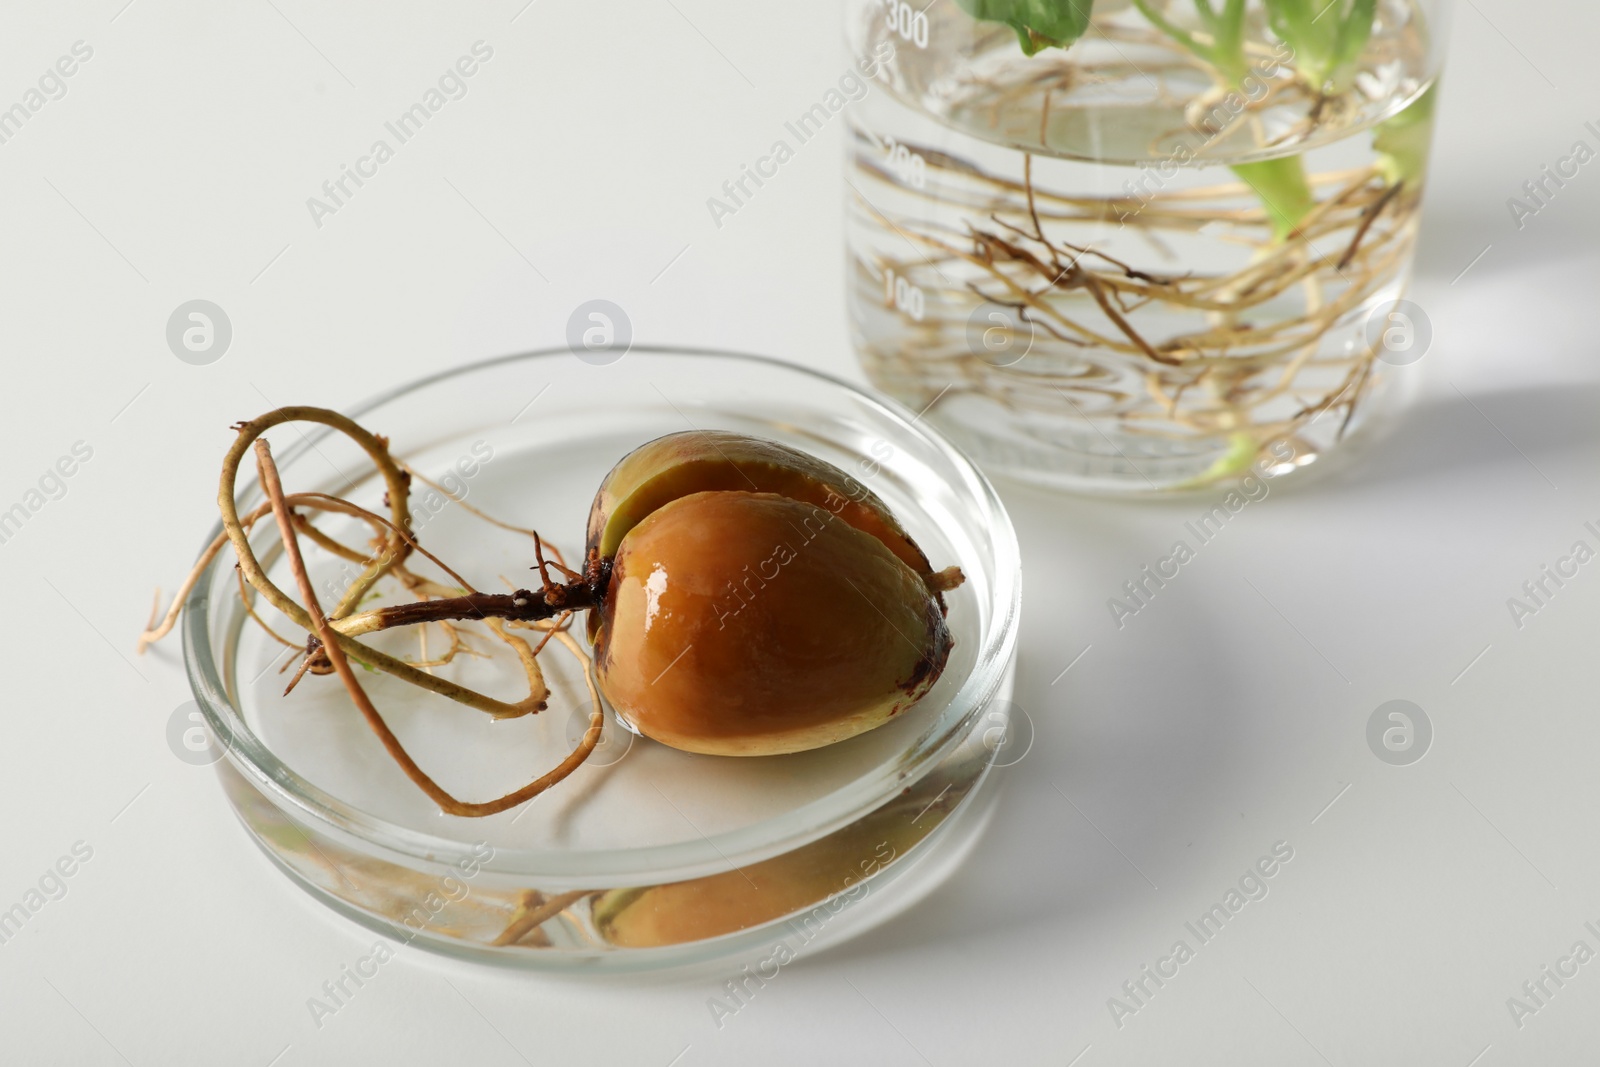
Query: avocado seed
(741, 623)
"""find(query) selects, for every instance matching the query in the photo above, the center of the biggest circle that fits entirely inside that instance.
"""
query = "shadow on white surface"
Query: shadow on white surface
(1458, 432)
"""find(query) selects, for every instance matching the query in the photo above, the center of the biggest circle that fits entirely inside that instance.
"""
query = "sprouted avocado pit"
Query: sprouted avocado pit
(742, 599)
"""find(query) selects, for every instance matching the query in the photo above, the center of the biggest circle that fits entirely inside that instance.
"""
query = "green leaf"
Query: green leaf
(1039, 23)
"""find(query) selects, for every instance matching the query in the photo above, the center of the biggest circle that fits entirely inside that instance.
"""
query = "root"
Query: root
(333, 647)
(331, 635)
(397, 545)
(154, 632)
(490, 519)
(533, 911)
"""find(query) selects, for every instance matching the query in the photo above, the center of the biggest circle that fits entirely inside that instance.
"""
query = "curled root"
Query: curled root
(331, 643)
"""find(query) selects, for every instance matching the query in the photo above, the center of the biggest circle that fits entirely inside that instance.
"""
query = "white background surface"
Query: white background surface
(1222, 719)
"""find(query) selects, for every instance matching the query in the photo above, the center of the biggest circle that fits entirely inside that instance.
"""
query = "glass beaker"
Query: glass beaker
(1141, 245)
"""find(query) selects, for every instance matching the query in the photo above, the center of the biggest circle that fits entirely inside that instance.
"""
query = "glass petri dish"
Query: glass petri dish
(646, 857)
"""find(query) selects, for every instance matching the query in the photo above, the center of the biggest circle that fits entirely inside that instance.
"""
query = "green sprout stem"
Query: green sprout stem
(1224, 51)
(1327, 38)
(1402, 141)
(1280, 184)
